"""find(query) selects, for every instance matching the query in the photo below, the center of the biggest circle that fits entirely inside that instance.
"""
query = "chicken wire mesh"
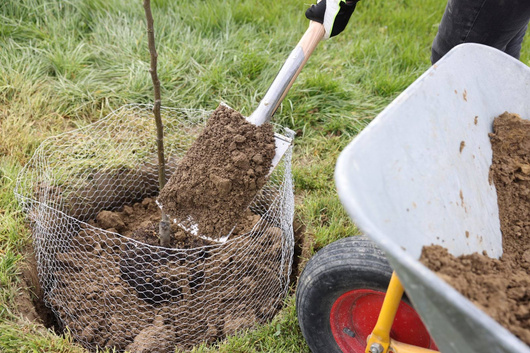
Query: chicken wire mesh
(110, 290)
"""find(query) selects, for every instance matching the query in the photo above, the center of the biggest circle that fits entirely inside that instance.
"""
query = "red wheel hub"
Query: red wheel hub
(354, 314)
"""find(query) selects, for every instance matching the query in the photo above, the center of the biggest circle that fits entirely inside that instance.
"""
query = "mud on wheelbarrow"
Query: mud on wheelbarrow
(401, 180)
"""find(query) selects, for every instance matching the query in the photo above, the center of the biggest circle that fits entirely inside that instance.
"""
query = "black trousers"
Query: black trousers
(500, 24)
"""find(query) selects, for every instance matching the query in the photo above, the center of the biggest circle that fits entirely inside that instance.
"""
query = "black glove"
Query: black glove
(333, 14)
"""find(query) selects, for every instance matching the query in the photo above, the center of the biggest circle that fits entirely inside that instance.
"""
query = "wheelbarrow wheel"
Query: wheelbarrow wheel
(339, 297)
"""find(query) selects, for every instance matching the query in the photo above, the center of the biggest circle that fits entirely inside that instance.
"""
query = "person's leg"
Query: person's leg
(514, 46)
(497, 23)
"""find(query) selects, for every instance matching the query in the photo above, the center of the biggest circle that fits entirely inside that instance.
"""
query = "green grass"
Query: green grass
(64, 64)
(35, 339)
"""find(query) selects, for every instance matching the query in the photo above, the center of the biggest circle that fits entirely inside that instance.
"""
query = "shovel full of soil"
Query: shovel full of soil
(231, 159)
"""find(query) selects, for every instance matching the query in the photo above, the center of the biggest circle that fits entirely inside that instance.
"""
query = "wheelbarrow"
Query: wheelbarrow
(402, 180)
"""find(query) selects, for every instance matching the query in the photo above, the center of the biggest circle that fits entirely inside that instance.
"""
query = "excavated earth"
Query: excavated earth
(220, 174)
(500, 287)
(162, 285)
(106, 271)
(102, 316)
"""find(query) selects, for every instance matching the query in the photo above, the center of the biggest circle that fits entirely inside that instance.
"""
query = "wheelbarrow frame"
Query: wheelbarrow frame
(472, 81)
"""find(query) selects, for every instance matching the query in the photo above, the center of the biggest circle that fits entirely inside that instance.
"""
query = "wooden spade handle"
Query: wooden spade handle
(288, 74)
(308, 43)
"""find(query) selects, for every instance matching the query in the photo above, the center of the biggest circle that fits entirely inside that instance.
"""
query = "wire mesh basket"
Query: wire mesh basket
(111, 290)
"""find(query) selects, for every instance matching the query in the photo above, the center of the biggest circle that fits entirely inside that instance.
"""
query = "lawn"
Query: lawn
(66, 64)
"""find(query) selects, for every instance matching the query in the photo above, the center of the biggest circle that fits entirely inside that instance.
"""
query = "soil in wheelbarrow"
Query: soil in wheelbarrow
(500, 287)
(117, 292)
(220, 174)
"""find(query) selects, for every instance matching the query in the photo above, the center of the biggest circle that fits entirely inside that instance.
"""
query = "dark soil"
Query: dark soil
(303, 242)
(143, 215)
(220, 174)
(29, 298)
(501, 287)
(111, 284)
(118, 292)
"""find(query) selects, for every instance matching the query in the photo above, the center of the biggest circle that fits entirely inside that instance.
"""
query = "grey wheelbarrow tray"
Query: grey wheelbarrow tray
(418, 175)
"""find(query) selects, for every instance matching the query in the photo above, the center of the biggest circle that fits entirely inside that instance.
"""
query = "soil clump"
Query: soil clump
(220, 174)
(501, 288)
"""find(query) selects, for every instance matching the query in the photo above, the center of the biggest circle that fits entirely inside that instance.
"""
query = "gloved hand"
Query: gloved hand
(333, 14)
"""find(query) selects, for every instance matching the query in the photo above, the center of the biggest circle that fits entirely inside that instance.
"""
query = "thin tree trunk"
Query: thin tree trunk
(164, 224)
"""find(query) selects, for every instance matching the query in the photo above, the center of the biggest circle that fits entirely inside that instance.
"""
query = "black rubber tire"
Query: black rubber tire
(342, 266)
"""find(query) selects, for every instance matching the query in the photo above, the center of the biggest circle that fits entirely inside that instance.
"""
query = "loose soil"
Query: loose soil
(118, 292)
(501, 287)
(220, 174)
(112, 285)
(29, 298)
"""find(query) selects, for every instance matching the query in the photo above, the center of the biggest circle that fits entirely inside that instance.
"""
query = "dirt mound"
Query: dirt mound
(118, 292)
(499, 287)
(110, 283)
(220, 174)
